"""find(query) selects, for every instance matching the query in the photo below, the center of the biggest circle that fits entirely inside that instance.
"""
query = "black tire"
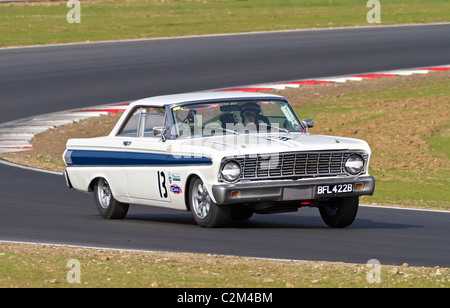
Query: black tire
(340, 212)
(107, 205)
(206, 213)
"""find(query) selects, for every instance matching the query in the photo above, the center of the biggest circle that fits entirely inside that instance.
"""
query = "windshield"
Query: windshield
(235, 118)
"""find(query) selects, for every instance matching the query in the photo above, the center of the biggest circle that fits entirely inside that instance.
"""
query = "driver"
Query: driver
(251, 113)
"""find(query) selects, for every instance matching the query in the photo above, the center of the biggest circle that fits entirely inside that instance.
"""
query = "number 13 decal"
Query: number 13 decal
(162, 184)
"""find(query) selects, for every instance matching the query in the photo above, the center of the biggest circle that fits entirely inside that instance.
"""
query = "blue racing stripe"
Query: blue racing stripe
(115, 158)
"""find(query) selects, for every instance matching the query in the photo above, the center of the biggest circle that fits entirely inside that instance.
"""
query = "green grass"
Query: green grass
(412, 189)
(440, 143)
(412, 176)
(427, 189)
(37, 266)
(112, 20)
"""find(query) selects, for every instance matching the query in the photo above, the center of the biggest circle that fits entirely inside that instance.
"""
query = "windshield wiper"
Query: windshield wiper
(278, 128)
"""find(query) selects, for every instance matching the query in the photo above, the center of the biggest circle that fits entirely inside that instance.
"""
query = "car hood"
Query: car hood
(243, 144)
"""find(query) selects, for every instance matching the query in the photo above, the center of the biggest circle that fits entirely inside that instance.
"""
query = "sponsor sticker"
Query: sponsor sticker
(175, 189)
(174, 177)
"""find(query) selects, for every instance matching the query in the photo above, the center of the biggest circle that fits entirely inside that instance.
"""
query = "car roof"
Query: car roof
(199, 97)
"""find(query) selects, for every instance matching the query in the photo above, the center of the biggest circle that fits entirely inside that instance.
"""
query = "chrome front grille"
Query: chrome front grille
(293, 164)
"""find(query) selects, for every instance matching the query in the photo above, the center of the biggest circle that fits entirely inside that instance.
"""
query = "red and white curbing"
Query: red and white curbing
(339, 79)
(16, 136)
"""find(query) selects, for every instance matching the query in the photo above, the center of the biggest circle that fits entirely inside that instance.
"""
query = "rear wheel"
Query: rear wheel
(206, 213)
(107, 206)
(340, 212)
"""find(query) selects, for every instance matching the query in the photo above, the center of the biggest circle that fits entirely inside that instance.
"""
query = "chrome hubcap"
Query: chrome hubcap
(201, 200)
(104, 193)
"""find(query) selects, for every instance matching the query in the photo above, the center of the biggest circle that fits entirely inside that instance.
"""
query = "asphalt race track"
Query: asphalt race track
(37, 207)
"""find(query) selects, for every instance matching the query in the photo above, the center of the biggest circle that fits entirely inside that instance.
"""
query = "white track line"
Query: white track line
(403, 208)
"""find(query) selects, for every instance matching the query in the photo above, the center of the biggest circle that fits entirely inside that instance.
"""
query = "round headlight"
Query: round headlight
(231, 171)
(354, 164)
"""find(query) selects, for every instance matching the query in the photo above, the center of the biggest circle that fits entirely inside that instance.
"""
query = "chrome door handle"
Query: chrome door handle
(127, 143)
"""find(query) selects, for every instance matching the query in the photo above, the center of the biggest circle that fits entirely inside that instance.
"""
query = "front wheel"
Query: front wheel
(340, 212)
(206, 213)
(107, 206)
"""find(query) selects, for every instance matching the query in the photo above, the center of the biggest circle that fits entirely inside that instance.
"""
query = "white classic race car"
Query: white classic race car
(222, 156)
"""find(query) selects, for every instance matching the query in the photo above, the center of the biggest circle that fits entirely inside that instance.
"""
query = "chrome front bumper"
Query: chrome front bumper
(291, 190)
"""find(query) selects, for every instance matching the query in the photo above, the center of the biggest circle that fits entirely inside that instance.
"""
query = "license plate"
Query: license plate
(334, 189)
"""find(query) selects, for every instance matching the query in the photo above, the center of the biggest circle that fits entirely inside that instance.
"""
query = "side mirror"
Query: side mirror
(309, 123)
(160, 132)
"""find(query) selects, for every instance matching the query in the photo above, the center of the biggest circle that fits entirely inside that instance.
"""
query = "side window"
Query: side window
(131, 127)
(153, 119)
(143, 120)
